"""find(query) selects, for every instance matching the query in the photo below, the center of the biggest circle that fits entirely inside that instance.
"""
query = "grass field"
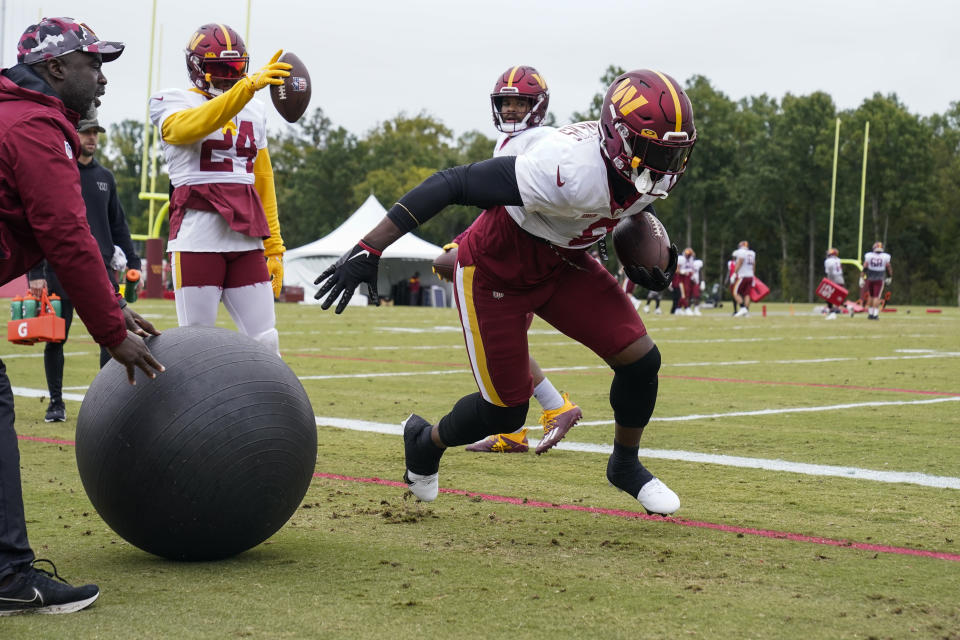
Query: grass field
(818, 465)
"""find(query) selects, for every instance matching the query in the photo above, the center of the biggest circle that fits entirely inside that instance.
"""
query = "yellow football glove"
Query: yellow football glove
(450, 246)
(272, 73)
(275, 267)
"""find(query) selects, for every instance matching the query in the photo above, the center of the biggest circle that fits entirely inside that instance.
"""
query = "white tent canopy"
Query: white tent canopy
(401, 260)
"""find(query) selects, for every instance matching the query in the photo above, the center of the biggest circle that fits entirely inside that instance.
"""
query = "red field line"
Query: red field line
(522, 502)
(765, 533)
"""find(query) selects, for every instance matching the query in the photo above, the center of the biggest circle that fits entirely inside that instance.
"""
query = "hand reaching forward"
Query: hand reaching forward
(272, 73)
(355, 267)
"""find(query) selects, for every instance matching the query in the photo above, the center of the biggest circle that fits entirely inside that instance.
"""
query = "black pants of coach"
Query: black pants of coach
(53, 354)
(14, 549)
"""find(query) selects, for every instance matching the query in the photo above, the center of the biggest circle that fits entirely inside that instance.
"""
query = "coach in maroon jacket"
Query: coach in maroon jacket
(42, 215)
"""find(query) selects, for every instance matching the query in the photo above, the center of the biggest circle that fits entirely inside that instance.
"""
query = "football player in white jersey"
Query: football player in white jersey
(743, 270)
(834, 270)
(696, 287)
(225, 239)
(519, 102)
(528, 252)
(878, 271)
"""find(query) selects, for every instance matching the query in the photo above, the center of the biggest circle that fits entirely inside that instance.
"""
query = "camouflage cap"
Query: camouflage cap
(90, 125)
(54, 37)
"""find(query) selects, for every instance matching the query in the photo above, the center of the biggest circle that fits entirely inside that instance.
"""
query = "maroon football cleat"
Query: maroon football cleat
(556, 423)
(502, 443)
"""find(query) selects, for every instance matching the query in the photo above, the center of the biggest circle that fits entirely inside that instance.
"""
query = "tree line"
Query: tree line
(761, 171)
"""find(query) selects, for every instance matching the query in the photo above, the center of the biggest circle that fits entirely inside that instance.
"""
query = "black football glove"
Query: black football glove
(654, 279)
(355, 267)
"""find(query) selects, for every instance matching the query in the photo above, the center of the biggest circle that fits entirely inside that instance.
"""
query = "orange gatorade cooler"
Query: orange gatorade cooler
(45, 326)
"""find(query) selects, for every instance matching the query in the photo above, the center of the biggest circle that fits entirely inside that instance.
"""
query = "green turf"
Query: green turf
(362, 560)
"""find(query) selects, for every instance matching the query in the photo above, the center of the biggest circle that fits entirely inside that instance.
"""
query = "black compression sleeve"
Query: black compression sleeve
(482, 184)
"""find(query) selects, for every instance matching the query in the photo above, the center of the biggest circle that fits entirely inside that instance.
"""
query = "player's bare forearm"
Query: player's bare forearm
(383, 235)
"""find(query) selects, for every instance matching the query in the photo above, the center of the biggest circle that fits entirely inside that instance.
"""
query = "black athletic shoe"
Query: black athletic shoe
(56, 412)
(34, 590)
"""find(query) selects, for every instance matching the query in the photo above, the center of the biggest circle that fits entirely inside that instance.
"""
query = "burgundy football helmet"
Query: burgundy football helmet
(522, 82)
(647, 130)
(215, 52)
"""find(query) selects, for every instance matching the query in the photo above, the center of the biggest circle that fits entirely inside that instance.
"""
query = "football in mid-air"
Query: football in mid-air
(293, 96)
(641, 241)
(445, 265)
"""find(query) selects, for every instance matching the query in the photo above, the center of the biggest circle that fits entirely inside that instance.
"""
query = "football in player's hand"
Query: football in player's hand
(445, 265)
(641, 241)
(293, 96)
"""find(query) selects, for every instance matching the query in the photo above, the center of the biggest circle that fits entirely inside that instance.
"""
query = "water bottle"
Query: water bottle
(57, 305)
(130, 288)
(29, 306)
(16, 308)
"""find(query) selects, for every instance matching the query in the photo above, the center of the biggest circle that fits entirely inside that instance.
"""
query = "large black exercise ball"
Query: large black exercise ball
(208, 459)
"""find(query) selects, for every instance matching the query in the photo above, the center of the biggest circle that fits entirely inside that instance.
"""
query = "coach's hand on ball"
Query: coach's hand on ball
(355, 267)
(133, 352)
(654, 278)
(273, 73)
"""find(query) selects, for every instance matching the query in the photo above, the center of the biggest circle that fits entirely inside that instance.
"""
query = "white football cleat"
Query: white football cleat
(657, 498)
(646, 308)
(657, 311)
(425, 487)
(742, 312)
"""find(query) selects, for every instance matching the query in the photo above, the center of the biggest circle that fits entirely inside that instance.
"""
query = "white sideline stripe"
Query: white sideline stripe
(905, 477)
(854, 473)
(25, 392)
(11, 356)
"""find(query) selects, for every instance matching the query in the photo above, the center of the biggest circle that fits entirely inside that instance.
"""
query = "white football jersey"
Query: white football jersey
(684, 265)
(563, 184)
(834, 269)
(749, 260)
(875, 264)
(513, 144)
(697, 267)
(223, 156)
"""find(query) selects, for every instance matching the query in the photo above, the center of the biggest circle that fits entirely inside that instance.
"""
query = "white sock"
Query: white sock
(547, 395)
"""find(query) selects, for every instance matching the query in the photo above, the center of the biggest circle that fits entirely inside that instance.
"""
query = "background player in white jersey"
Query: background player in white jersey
(834, 270)
(743, 270)
(696, 290)
(528, 252)
(223, 209)
(878, 271)
(683, 282)
(519, 103)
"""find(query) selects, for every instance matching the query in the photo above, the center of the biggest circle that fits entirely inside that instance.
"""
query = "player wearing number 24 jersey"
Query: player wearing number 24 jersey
(224, 230)
(528, 253)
